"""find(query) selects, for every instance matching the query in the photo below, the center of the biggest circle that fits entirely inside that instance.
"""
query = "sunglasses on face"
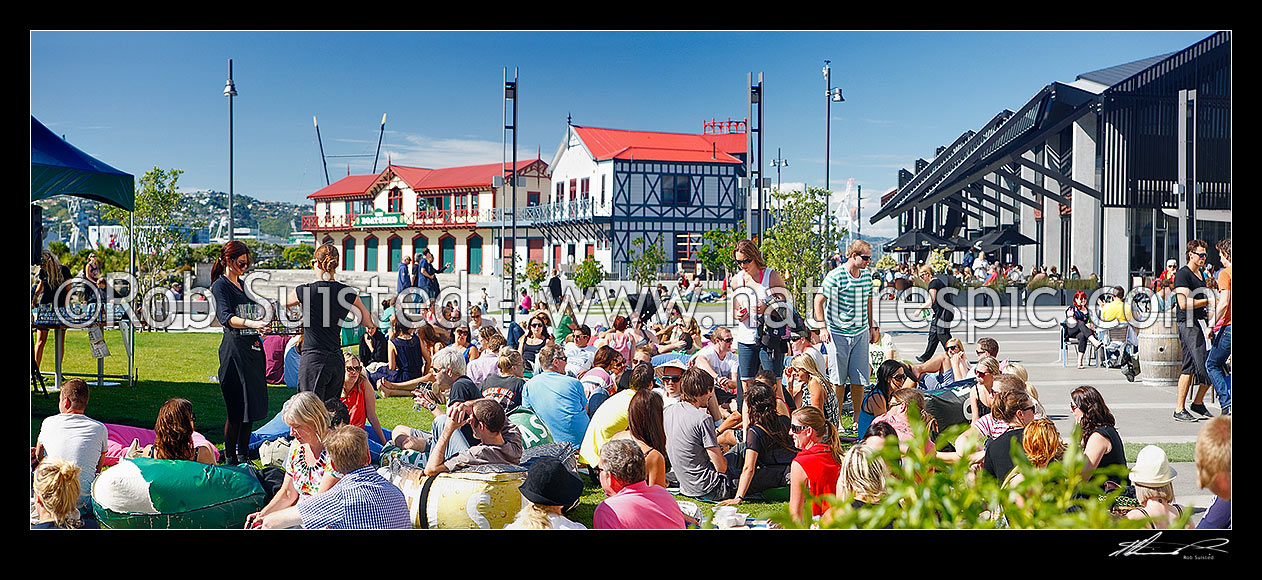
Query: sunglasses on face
(726, 340)
(798, 428)
(981, 373)
(900, 377)
(1200, 254)
(951, 348)
(745, 261)
(536, 325)
(1030, 408)
(354, 368)
(672, 378)
(866, 258)
(242, 264)
(982, 353)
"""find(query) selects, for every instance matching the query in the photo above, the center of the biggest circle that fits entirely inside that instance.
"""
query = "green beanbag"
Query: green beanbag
(148, 493)
(533, 431)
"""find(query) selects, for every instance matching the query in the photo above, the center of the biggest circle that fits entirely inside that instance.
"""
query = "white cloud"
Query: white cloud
(424, 151)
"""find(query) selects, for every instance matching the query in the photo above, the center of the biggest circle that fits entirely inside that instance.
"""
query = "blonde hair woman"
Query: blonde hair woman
(325, 303)
(308, 469)
(56, 484)
(810, 387)
(863, 475)
(1154, 489)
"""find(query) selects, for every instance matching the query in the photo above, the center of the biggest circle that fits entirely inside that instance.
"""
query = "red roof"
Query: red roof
(653, 146)
(420, 178)
(349, 185)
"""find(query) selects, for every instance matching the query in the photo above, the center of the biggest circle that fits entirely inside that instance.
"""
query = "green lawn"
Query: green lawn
(181, 364)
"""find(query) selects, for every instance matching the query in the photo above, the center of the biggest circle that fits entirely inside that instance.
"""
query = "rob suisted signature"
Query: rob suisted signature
(1151, 547)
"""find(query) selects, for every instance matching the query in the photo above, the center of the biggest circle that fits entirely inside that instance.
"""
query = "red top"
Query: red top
(355, 403)
(822, 472)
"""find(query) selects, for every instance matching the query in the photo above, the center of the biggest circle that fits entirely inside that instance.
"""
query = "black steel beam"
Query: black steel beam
(1034, 186)
(978, 189)
(955, 202)
(1062, 179)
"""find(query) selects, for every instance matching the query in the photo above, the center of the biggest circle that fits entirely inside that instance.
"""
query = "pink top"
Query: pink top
(639, 506)
(899, 422)
(121, 436)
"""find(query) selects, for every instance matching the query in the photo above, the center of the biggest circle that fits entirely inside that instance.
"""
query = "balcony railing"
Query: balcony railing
(442, 218)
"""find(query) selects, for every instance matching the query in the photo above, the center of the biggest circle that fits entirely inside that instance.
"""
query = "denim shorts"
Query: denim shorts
(851, 355)
(751, 358)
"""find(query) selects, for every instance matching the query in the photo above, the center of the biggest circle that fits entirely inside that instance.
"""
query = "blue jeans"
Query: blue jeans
(1215, 365)
(456, 444)
(750, 358)
(851, 355)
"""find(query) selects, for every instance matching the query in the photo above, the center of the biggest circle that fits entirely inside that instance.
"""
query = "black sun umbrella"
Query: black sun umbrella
(917, 240)
(1006, 238)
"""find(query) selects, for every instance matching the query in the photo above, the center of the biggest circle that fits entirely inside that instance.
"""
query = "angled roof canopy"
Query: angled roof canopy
(59, 168)
(1000, 143)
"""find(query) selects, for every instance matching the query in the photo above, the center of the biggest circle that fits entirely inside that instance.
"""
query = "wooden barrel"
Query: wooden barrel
(1160, 353)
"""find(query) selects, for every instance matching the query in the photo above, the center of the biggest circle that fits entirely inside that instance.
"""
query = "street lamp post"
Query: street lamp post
(230, 91)
(830, 94)
(778, 162)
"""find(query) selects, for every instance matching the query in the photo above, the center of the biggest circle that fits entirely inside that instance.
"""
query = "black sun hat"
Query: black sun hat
(550, 483)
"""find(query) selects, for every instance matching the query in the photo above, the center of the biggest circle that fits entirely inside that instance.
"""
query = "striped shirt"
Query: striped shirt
(363, 500)
(846, 311)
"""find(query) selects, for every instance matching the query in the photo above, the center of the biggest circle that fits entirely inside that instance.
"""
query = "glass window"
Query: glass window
(395, 256)
(348, 254)
(394, 200)
(475, 254)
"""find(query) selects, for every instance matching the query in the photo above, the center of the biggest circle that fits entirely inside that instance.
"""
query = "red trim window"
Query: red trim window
(602, 190)
(532, 198)
(394, 200)
(585, 188)
(590, 251)
(573, 189)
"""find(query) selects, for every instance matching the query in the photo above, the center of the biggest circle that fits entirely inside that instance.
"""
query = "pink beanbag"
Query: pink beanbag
(121, 436)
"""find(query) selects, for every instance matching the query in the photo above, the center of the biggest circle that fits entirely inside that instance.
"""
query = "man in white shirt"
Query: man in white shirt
(579, 354)
(718, 360)
(74, 437)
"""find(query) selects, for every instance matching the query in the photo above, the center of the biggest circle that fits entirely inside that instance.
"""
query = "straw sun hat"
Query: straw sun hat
(1151, 468)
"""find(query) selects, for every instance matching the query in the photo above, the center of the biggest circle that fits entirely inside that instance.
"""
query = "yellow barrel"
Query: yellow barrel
(1160, 353)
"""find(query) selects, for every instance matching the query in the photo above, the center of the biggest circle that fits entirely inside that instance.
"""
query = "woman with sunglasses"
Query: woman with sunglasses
(536, 336)
(1016, 408)
(981, 399)
(360, 398)
(817, 466)
(241, 365)
(890, 377)
(1078, 325)
(751, 289)
(464, 343)
(810, 387)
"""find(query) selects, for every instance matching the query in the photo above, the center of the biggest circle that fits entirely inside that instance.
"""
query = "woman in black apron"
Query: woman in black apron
(241, 363)
(325, 303)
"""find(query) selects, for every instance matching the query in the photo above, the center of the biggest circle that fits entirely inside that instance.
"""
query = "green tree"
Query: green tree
(158, 234)
(717, 254)
(794, 244)
(298, 256)
(587, 275)
(535, 274)
(646, 263)
(279, 227)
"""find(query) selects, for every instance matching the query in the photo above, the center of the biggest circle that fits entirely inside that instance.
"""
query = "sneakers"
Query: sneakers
(1200, 410)
(1184, 416)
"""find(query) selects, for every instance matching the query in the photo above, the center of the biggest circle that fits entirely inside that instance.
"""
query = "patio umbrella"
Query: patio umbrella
(917, 240)
(1006, 238)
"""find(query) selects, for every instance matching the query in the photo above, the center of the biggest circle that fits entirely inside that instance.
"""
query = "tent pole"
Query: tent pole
(131, 327)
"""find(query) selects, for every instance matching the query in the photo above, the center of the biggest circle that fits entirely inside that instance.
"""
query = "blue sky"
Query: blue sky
(140, 99)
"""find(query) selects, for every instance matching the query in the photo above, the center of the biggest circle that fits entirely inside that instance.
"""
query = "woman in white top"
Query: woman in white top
(751, 286)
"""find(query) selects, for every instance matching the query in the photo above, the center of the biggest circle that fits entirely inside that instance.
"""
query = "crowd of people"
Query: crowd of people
(738, 413)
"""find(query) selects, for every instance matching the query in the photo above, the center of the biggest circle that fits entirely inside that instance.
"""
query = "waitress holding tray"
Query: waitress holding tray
(325, 303)
(241, 362)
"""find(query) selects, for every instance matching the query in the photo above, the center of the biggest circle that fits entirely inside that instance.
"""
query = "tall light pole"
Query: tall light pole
(830, 94)
(778, 163)
(230, 91)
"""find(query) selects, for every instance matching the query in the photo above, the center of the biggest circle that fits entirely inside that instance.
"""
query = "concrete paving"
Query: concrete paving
(1143, 412)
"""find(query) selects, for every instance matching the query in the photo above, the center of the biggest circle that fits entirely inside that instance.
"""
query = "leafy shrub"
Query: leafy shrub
(924, 492)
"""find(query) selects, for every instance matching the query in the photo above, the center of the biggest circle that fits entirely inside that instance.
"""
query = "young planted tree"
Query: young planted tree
(587, 275)
(794, 244)
(158, 234)
(646, 262)
(534, 275)
(717, 254)
(299, 256)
